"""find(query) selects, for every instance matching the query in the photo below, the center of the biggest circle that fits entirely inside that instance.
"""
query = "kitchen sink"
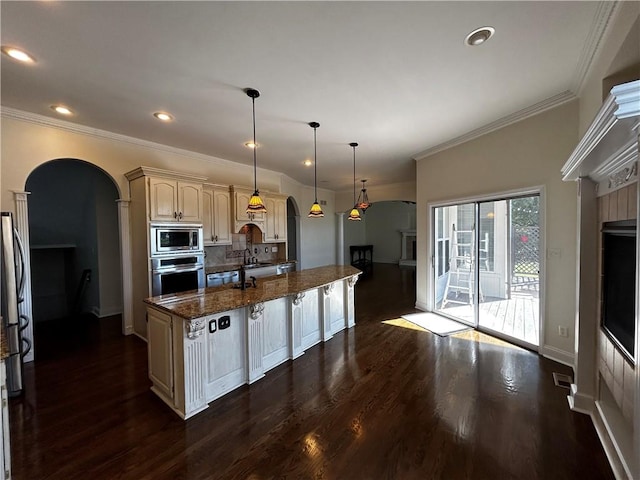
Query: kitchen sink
(259, 264)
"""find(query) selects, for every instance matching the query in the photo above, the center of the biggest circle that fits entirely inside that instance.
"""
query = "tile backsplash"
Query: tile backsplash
(228, 255)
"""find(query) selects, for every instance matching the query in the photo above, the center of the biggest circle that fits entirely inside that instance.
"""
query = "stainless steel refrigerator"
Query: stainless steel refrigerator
(13, 277)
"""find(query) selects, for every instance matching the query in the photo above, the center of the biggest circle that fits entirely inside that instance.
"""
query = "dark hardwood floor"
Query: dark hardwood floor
(375, 402)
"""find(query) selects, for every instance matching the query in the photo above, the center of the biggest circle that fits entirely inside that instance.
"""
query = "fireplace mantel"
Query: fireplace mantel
(605, 166)
(611, 142)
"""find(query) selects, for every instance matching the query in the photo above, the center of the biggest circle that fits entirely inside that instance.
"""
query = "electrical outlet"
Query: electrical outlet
(563, 331)
(266, 249)
(554, 253)
(255, 250)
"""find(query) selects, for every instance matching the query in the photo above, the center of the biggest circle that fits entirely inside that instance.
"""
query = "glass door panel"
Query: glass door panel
(454, 261)
(508, 256)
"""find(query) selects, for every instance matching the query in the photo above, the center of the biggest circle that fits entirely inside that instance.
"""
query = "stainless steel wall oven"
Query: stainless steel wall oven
(177, 273)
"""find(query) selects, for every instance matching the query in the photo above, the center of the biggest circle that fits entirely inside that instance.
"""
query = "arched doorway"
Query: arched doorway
(76, 277)
(293, 231)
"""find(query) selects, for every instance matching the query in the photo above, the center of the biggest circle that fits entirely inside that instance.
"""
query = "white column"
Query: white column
(586, 323)
(340, 238)
(349, 301)
(295, 326)
(25, 307)
(255, 368)
(126, 262)
(195, 366)
(325, 312)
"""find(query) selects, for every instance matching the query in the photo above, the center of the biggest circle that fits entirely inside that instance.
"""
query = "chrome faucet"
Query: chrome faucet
(244, 255)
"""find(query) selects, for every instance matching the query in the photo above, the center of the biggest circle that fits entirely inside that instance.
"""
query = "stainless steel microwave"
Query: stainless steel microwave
(168, 238)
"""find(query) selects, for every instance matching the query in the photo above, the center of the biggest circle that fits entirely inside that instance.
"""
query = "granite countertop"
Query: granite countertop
(207, 301)
(234, 267)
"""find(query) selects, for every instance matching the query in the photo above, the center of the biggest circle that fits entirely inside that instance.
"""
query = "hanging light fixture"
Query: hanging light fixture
(354, 214)
(255, 203)
(316, 211)
(363, 199)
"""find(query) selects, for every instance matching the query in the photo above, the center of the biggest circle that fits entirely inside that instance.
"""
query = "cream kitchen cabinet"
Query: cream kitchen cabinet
(242, 198)
(216, 219)
(275, 219)
(174, 200)
(160, 351)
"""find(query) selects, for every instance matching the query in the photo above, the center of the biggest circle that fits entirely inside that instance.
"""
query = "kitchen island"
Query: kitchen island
(205, 343)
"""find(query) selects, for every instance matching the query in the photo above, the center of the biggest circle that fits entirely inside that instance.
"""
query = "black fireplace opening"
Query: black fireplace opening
(619, 284)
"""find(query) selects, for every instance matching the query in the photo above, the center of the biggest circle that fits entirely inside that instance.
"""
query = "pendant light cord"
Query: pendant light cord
(354, 174)
(255, 146)
(315, 165)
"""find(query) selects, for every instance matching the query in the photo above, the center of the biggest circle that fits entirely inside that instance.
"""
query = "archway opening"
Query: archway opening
(76, 278)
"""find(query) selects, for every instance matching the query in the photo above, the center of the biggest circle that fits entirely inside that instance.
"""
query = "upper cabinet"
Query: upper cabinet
(216, 221)
(241, 200)
(170, 196)
(174, 201)
(276, 218)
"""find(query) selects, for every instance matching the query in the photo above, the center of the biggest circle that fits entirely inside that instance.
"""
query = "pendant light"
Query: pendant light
(316, 211)
(354, 214)
(255, 203)
(363, 199)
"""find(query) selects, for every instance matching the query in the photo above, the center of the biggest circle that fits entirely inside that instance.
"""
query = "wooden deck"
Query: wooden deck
(517, 317)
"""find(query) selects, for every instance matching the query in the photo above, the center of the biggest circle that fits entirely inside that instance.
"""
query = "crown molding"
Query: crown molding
(518, 116)
(599, 28)
(43, 121)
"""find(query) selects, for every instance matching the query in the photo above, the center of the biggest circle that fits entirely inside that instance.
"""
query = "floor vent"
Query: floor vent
(562, 380)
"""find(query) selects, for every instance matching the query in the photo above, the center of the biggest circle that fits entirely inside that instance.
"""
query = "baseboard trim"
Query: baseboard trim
(421, 306)
(557, 355)
(95, 310)
(140, 337)
(608, 445)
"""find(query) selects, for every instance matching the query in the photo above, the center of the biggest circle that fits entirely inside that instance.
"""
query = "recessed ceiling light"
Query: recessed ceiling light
(164, 116)
(479, 36)
(17, 54)
(251, 145)
(61, 109)
(308, 163)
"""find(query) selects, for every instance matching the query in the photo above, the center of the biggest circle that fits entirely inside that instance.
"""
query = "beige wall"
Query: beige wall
(527, 154)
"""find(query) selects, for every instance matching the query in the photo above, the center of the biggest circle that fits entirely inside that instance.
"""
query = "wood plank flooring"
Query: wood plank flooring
(375, 402)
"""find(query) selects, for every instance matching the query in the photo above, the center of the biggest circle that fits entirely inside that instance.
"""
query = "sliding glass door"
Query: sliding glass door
(486, 266)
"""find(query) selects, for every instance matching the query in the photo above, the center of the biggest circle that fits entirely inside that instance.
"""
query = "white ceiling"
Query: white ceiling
(395, 77)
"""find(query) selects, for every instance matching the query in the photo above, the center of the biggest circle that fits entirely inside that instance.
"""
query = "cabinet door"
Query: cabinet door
(280, 210)
(208, 217)
(222, 217)
(160, 349)
(270, 224)
(163, 199)
(242, 200)
(276, 220)
(189, 202)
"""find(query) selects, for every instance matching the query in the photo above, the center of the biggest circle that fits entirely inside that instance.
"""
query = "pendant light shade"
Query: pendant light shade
(316, 210)
(255, 203)
(354, 214)
(363, 199)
